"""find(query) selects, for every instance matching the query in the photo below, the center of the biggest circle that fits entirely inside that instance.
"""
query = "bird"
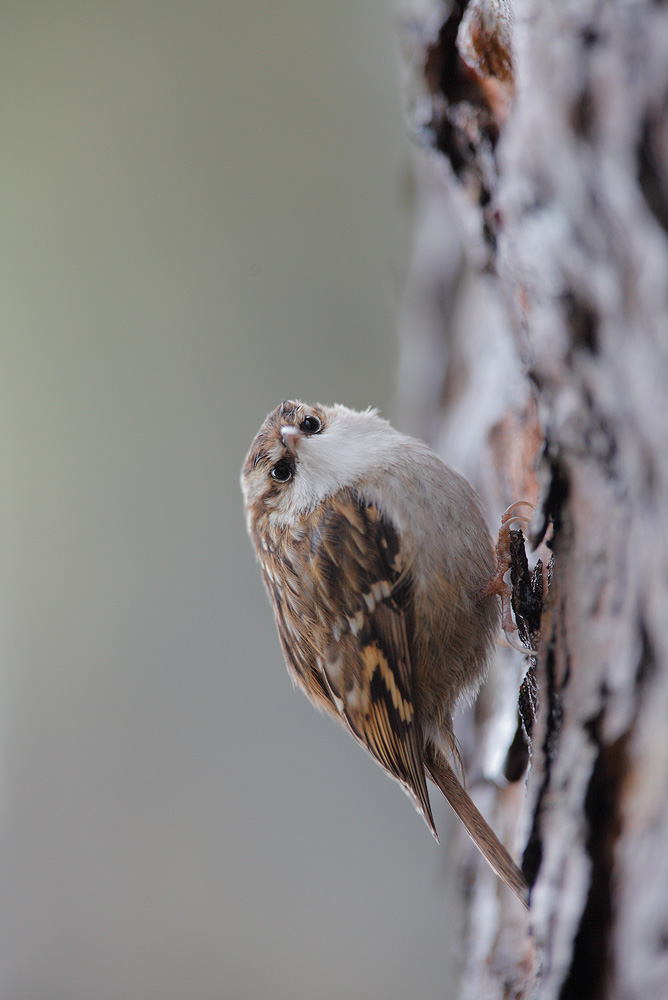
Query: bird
(377, 560)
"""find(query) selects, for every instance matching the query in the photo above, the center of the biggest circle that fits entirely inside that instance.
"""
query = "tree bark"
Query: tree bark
(549, 124)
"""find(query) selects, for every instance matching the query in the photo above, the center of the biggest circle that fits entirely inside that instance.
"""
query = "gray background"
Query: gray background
(204, 210)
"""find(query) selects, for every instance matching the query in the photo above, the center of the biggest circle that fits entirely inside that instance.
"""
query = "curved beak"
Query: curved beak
(291, 436)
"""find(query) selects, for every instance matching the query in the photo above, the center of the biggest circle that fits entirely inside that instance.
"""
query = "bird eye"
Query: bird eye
(281, 472)
(311, 425)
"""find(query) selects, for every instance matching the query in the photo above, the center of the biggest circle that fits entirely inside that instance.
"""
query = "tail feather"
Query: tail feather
(478, 828)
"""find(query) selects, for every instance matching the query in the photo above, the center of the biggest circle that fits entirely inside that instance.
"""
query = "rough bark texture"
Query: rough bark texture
(545, 336)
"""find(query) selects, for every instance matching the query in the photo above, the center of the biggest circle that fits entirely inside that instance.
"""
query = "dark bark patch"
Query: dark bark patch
(647, 663)
(557, 496)
(533, 853)
(469, 82)
(590, 971)
(443, 68)
(582, 323)
(590, 37)
(519, 752)
(527, 592)
(651, 171)
(517, 758)
(583, 115)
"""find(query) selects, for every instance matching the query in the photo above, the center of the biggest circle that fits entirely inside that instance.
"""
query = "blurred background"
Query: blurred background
(205, 209)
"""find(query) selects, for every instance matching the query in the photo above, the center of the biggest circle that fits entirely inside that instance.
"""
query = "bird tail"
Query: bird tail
(478, 828)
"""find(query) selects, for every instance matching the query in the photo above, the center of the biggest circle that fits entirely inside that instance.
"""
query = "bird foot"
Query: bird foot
(497, 584)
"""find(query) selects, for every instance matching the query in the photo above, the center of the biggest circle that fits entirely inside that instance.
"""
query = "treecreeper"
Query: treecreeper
(380, 569)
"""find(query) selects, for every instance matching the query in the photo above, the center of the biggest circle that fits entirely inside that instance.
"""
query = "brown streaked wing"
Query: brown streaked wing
(369, 667)
(377, 699)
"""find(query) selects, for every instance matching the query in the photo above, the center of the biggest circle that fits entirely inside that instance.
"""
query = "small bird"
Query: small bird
(376, 556)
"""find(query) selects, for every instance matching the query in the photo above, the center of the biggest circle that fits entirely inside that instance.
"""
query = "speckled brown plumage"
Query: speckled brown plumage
(340, 577)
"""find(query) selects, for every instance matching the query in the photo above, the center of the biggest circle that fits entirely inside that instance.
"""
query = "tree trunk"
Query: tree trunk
(550, 127)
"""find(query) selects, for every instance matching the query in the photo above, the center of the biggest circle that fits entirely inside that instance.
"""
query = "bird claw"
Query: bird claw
(497, 584)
